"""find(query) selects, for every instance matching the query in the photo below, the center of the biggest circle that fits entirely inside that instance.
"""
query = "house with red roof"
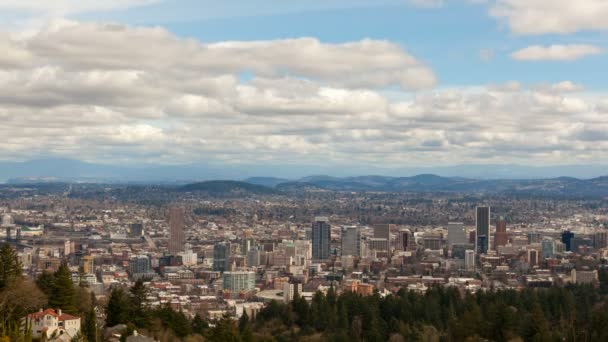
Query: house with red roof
(49, 323)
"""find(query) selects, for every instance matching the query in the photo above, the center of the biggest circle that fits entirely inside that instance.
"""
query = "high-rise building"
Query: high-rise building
(176, 225)
(482, 233)
(547, 248)
(321, 238)
(378, 244)
(136, 229)
(246, 245)
(567, 237)
(383, 231)
(403, 239)
(432, 241)
(469, 259)
(532, 257)
(600, 239)
(290, 290)
(239, 281)
(221, 254)
(500, 237)
(189, 258)
(253, 257)
(351, 241)
(456, 234)
(139, 264)
(580, 241)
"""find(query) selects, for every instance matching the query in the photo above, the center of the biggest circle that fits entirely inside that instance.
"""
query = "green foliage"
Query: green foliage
(225, 330)
(10, 267)
(62, 293)
(118, 309)
(199, 325)
(139, 309)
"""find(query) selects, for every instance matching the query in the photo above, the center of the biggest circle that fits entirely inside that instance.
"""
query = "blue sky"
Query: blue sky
(451, 38)
(393, 83)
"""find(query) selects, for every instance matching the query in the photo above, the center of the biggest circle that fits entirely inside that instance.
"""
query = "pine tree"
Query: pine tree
(117, 310)
(10, 267)
(243, 322)
(199, 325)
(225, 331)
(45, 282)
(63, 294)
(139, 308)
(89, 326)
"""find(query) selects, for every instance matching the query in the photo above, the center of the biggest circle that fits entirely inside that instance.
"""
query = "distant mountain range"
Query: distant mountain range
(555, 187)
(512, 179)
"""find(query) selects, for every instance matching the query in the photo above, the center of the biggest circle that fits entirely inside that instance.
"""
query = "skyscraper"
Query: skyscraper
(500, 237)
(383, 231)
(567, 237)
(456, 234)
(547, 248)
(221, 254)
(351, 241)
(404, 239)
(176, 225)
(482, 234)
(321, 238)
(469, 260)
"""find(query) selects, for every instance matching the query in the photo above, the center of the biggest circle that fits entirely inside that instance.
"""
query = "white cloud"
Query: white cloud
(555, 52)
(65, 7)
(116, 93)
(552, 16)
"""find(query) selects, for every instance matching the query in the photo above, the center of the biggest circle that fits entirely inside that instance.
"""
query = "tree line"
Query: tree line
(572, 313)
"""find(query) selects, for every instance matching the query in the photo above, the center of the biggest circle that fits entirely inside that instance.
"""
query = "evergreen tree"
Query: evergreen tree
(117, 311)
(89, 326)
(10, 267)
(225, 330)
(199, 325)
(63, 294)
(45, 282)
(139, 308)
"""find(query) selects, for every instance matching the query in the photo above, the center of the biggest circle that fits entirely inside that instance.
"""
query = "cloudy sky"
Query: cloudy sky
(342, 83)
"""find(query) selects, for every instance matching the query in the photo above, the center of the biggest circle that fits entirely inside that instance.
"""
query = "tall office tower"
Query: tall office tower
(456, 234)
(321, 238)
(500, 237)
(246, 245)
(532, 257)
(253, 257)
(383, 231)
(600, 239)
(548, 249)
(351, 241)
(482, 234)
(221, 254)
(567, 237)
(139, 264)
(403, 239)
(469, 259)
(176, 224)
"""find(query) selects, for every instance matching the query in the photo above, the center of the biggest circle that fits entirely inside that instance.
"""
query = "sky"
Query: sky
(288, 83)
